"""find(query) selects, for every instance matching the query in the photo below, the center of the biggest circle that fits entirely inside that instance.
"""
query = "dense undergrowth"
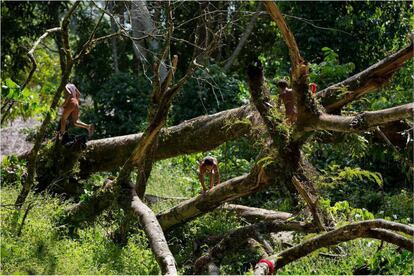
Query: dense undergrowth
(359, 176)
(45, 247)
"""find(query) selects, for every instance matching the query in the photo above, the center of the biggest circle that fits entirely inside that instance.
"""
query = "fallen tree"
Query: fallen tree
(376, 229)
(236, 238)
(260, 176)
(253, 214)
(109, 153)
(280, 163)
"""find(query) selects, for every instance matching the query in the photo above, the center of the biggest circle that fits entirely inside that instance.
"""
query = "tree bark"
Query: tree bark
(111, 153)
(238, 237)
(364, 121)
(252, 214)
(377, 229)
(155, 235)
(366, 81)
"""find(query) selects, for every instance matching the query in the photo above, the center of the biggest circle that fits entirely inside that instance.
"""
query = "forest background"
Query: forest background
(359, 176)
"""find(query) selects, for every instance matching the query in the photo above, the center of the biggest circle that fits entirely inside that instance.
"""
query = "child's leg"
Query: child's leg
(79, 123)
(63, 121)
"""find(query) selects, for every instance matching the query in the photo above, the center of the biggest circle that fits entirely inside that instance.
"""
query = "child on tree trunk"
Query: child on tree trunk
(71, 111)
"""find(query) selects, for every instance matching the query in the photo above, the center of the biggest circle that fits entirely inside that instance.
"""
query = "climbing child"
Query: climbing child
(71, 111)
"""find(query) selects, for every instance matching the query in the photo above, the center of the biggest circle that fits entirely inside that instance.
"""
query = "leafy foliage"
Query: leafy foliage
(120, 106)
(210, 91)
(22, 24)
(329, 71)
(359, 179)
(35, 98)
(45, 249)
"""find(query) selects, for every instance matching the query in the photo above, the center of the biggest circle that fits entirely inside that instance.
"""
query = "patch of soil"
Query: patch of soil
(13, 138)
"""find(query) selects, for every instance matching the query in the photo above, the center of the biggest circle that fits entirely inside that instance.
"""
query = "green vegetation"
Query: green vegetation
(359, 175)
(45, 248)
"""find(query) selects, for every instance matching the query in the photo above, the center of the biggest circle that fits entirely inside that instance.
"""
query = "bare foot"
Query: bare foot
(60, 135)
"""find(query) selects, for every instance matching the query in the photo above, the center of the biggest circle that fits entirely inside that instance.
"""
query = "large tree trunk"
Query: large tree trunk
(199, 134)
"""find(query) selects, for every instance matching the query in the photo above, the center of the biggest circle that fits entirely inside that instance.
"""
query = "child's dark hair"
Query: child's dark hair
(282, 84)
(209, 161)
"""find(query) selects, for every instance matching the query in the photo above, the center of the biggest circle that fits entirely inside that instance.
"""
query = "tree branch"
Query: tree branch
(31, 54)
(363, 229)
(363, 121)
(253, 214)
(226, 191)
(236, 238)
(244, 37)
(33, 155)
(287, 35)
(155, 235)
(65, 32)
(289, 153)
(88, 44)
(338, 95)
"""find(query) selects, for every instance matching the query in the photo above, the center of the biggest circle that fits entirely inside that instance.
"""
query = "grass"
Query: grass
(46, 248)
(362, 253)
